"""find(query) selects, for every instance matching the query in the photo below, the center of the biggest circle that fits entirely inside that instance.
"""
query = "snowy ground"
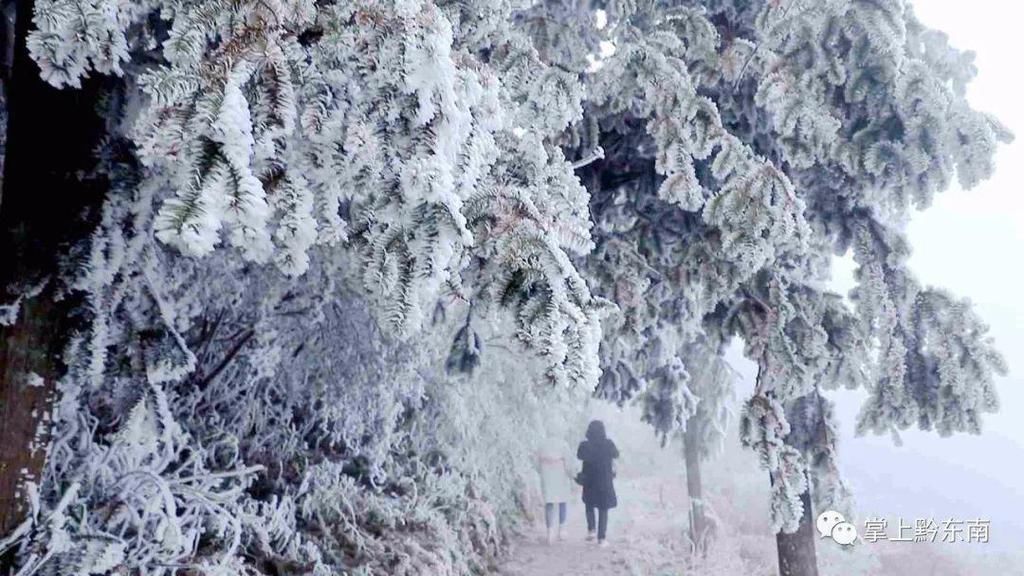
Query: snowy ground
(644, 535)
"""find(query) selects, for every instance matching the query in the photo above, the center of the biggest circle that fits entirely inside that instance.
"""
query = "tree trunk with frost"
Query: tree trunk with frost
(699, 527)
(51, 135)
(797, 556)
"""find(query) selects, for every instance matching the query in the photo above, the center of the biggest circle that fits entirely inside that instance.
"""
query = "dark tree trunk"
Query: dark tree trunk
(796, 551)
(43, 208)
(25, 348)
(699, 528)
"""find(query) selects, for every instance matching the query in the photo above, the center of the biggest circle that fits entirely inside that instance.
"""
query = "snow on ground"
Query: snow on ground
(644, 534)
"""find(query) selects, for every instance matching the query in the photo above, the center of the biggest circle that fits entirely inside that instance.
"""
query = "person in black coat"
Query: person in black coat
(597, 478)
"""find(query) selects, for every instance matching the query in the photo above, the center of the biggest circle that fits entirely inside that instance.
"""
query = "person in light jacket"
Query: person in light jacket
(597, 453)
(553, 465)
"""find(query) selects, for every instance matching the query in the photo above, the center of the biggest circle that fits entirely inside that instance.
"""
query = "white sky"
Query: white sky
(972, 243)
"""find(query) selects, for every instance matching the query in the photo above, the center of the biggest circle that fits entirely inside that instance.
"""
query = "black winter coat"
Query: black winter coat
(597, 476)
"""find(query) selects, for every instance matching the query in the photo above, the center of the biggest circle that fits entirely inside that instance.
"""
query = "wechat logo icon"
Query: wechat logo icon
(832, 524)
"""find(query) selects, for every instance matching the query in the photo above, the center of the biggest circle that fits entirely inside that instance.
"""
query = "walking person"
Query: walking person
(553, 465)
(597, 453)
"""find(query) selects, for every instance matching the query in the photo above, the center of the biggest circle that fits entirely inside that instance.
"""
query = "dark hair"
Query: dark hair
(595, 431)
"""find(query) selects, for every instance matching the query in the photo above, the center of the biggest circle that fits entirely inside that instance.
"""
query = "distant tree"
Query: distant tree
(713, 383)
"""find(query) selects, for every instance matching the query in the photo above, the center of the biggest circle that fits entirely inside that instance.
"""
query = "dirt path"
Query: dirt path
(645, 536)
